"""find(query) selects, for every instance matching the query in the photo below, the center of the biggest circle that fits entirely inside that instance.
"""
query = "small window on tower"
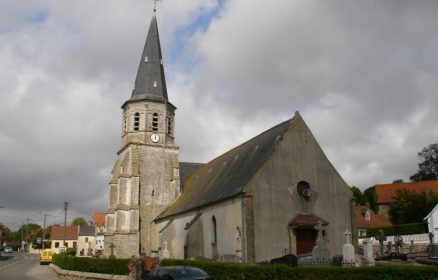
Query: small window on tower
(146, 59)
(155, 83)
(136, 121)
(155, 122)
(169, 125)
(124, 124)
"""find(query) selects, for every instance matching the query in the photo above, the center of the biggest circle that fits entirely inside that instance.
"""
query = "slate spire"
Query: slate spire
(150, 83)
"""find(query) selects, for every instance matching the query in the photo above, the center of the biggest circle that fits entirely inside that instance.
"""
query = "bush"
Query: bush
(398, 229)
(235, 271)
(106, 266)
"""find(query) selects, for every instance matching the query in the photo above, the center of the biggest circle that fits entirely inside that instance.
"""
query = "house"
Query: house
(86, 245)
(256, 202)
(99, 221)
(59, 234)
(387, 192)
(366, 218)
(432, 223)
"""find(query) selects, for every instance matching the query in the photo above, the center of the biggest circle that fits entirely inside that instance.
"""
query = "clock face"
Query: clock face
(155, 138)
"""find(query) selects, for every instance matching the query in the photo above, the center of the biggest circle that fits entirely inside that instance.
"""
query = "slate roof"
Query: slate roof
(57, 232)
(186, 169)
(150, 83)
(227, 175)
(375, 220)
(387, 192)
(307, 219)
(87, 231)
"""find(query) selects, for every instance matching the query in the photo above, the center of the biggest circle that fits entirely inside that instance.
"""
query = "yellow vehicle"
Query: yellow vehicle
(46, 256)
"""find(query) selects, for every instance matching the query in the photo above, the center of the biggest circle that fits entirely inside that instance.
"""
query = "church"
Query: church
(258, 201)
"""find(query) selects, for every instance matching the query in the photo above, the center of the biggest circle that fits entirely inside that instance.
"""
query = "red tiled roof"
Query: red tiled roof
(387, 192)
(99, 219)
(306, 219)
(71, 232)
(375, 220)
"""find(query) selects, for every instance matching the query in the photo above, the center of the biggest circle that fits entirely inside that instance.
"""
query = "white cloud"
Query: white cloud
(363, 74)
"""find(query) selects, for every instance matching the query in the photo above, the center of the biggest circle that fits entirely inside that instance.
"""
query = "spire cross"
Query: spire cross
(155, 4)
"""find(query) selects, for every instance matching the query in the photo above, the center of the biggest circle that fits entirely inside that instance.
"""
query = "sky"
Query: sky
(363, 75)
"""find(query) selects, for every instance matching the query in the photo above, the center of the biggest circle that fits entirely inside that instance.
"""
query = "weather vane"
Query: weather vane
(155, 4)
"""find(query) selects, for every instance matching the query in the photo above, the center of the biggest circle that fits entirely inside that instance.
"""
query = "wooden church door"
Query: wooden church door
(306, 240)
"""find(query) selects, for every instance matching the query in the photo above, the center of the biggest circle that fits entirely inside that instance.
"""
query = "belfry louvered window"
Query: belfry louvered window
(154, 122)
(136, 121)
(169, 125)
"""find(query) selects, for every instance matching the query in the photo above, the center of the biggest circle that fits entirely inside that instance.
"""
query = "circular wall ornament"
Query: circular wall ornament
(303, 189)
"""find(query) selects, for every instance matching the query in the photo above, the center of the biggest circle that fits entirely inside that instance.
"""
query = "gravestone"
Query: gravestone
(389, 247)
(288, 259)
(412, 247)
(112, 246)
(368, 252)
(398, 242)
(348, 255)
(382, 238)
(166, 253)
(320, 253)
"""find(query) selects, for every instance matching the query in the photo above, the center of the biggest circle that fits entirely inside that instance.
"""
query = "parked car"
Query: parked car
(8, 250)
(46, 256)
(178, 273)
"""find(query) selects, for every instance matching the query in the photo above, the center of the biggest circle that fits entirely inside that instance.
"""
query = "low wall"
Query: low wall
(77, 275)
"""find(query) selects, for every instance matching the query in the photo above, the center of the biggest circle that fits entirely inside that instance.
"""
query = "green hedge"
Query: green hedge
(107, 266)
(235, 271)
(398, 229)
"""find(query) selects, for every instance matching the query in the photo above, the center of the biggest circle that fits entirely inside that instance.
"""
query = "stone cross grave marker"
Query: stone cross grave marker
(348, 255)
(381, 237)
(112, 246)
(320, 253)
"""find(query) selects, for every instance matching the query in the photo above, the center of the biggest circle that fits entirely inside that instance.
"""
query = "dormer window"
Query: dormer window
(367, 215)
(136, 121)
(154, 122)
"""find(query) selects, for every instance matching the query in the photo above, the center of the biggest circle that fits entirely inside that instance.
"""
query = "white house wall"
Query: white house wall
(199, 236)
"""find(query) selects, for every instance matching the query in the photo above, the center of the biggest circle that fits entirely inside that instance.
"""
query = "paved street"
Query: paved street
(23, 266)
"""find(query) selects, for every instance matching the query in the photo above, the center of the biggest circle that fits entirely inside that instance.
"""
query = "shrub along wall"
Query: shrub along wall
(106, 266)
(398, 229)
(235, 271)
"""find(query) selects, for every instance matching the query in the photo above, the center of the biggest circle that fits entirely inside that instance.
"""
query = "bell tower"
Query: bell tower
(145, 178)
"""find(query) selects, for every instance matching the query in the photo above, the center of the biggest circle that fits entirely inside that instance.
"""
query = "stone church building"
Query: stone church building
(258, 201)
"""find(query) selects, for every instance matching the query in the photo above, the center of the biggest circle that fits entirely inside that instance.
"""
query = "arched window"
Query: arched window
(214, 231)
(136, 121)
(154, 122)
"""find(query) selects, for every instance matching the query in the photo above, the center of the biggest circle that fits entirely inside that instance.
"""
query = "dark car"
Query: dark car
(178, 273)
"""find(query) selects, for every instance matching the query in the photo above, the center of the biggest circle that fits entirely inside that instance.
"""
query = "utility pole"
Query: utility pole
(44, 232)
(65, 221)
(26, 236)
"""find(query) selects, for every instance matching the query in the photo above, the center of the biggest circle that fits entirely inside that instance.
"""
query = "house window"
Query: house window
(75, 244)
(136, 121)
(86, 239)
(56, 244)
(367, 215)
(214, 230)
(155, 122)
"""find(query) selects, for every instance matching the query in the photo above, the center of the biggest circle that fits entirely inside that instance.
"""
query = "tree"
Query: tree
(412, 207)
(358, 195)
(428, 166)
(371, 197)
(79, 221)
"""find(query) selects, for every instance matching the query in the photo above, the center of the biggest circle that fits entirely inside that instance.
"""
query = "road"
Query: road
(21, 266)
